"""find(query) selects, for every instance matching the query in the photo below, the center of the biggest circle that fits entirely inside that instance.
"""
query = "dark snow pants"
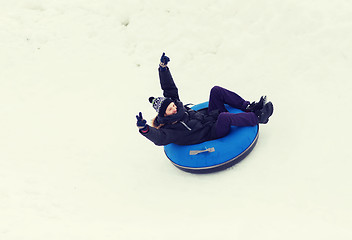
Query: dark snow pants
(220, 96)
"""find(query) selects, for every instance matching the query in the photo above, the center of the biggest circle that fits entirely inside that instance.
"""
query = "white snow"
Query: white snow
(73, 75)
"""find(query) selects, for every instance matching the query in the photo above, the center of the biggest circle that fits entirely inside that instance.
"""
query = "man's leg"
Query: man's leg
(220, 96)
(226, 120)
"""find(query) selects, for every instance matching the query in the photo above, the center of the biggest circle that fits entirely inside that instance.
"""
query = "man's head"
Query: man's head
(163, 106)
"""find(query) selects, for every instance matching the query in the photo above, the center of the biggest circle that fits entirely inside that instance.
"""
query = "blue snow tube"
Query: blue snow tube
(214, 155)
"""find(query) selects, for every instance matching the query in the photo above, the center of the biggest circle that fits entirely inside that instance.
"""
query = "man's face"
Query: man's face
(171, 109)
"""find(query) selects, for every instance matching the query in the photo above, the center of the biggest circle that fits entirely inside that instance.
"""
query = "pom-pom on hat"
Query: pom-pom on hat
(160, 104)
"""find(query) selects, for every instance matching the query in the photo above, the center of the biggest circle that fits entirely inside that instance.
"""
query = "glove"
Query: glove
(163, 61)
(141, 123)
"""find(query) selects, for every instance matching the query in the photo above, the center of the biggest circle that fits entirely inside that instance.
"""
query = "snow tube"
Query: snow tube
(214, 155)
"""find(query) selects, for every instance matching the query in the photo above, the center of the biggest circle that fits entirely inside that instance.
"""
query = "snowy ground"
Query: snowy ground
(73, 75)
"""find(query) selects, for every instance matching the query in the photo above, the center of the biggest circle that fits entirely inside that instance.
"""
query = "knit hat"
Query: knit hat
(160, 104)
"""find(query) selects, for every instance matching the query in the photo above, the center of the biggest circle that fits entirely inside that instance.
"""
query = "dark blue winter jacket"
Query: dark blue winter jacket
(186, 126)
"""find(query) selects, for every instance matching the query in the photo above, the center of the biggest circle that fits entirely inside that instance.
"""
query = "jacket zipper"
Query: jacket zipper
(184, 124)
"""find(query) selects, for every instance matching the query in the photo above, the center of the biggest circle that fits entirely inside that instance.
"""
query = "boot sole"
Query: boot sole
(270, 109)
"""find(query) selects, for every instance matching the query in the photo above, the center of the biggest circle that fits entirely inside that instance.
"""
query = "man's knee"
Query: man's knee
(215, 90)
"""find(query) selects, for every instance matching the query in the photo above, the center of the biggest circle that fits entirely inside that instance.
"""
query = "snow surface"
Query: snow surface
(73, 75)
